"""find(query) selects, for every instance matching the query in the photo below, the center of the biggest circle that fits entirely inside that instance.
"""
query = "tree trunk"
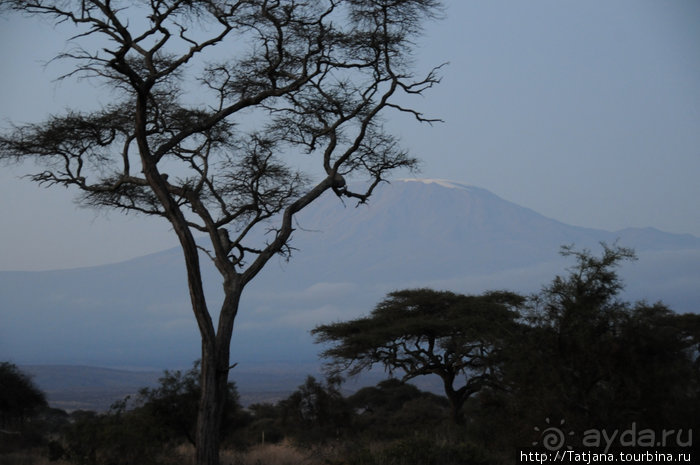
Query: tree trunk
(214, 380)
(456, 398)
(215, 353)
(456, 409)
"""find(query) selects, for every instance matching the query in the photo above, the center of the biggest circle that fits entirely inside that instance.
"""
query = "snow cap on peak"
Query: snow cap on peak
(440, 182)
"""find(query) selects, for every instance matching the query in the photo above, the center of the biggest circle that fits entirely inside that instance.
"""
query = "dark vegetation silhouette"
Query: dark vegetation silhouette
(421, 332)
(573, 352)
(20, 403)
(216, 104)
(19, 396)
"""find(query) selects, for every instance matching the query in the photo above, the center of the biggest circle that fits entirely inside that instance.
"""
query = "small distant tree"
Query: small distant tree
(315, 411)
(424, 332)
(216, 104)
(172, 405)
(394, 409)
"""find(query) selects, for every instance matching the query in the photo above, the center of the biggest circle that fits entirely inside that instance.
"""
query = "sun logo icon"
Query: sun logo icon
(553, 438)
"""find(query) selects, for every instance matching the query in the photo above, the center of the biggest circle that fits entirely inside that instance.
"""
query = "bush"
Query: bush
(315, 412)
(20, 401)
(116, 437)
(394, 409)
(19, 397)
(147, 430)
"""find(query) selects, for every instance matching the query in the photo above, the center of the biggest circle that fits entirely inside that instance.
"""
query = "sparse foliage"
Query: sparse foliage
(217, 102)
(590, 290)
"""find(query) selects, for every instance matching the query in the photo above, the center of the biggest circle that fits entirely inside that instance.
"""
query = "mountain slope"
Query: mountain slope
(413, 233)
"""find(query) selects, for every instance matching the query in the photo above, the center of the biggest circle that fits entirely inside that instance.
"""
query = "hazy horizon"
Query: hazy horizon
(348, 259)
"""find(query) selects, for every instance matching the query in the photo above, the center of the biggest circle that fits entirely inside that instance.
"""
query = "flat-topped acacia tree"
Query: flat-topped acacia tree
(216, 102)
(418, 332)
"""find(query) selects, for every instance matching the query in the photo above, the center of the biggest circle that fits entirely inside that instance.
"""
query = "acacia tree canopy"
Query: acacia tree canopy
(421, 332)
(216, 103)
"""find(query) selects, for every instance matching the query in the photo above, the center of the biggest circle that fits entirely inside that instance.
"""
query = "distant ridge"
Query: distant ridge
(71, 387)
(413, 233)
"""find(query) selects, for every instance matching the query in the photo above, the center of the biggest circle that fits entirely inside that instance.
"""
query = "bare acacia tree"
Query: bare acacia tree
(217, 101)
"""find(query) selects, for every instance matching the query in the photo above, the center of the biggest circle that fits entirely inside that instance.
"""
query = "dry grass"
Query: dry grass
(283, 453)
(269, 454)
(28, 458)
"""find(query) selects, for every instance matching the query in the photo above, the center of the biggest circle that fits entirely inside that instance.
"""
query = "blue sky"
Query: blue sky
(587, 112)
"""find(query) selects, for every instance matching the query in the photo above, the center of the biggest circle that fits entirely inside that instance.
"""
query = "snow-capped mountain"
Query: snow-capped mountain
(413, 233)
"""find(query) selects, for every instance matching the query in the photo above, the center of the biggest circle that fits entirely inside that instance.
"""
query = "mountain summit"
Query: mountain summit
(414, 232)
